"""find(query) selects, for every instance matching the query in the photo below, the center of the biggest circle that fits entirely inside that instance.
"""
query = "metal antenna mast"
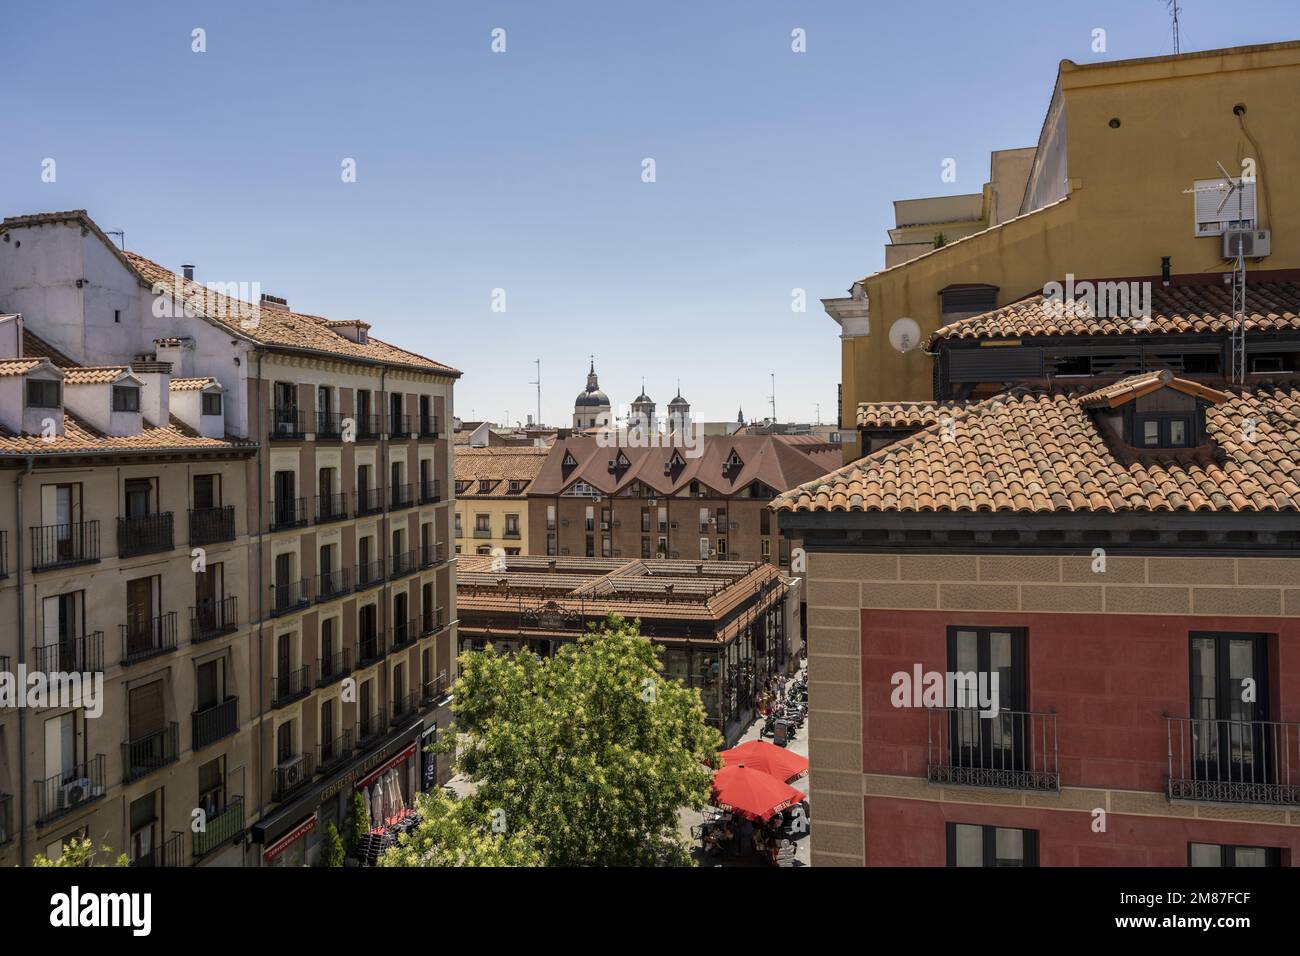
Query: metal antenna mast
(1238, 334)
(772, 397)
(1174, 10)
(538, 383)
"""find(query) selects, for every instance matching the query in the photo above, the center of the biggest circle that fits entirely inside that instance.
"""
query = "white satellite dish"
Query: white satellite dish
(905, 335)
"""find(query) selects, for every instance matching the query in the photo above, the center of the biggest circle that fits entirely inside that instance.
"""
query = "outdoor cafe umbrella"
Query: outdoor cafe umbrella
(769, 758)
(752, 793)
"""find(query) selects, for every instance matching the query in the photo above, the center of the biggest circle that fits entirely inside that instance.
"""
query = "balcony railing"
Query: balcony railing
(405, 633)
(333, 584)
(211, 724)
(148, 637)
(483, 532)
(1013, 750)
(144, 534)
(329, 426)
(64, 545)
(66, 791)
(291, 775)
(169, 853)
(288, 513)
(219, 829)
(286, 422)
(6, 818)
(367, 427)
(1234, 761)
(71, 655)
(399, 426)
(289, 596)
(211, 525)
(403, 563)
(400, 496)
(368, 501)
(370, 574)
(212, 618)
(144, 755)
(404, 707)
(331, 753)
(434, 690)
(430, 491)
(431, 554)
(371, 648)
(331, 507)
(428, 426)
(434, 620)
(332, 669)
(290, 686)
(371, 727)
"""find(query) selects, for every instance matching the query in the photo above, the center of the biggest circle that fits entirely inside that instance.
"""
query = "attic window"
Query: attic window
(126, 398)
(211, 403)
(516, 486)
(1163, 430)
(733, 461)
(484, 486)
(569, 460)
(676, 461)
(42, 393)
(461, 486)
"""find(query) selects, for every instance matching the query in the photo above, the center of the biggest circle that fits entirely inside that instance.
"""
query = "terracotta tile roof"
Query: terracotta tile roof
(887, 415)
(19, 366)
(81, 438)
(93, 374)
(35, 347)
(499, 465)
(1030, 451)
(190, 384)
(1135, 386)
(1174, 309)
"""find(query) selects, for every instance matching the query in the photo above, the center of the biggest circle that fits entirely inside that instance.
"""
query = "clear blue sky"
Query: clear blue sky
(522, 170)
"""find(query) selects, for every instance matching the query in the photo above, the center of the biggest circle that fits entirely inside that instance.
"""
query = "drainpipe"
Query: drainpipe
(22, 656)
(261, 579)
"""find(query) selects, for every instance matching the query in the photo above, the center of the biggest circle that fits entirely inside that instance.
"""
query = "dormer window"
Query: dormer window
(1154, 410)
(1162, 431)
(126, 398)
(516, 486)
(42, 393)
(484, 486)
(569, 460)
(211, 403)
(734, 461)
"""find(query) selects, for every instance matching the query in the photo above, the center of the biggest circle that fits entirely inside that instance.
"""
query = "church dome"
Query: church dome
(591, 399)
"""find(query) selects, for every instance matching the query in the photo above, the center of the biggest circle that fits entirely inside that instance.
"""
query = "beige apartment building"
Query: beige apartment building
(492, 498)
(316, 654)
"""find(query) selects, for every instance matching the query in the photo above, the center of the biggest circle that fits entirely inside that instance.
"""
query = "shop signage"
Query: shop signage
(297, 833)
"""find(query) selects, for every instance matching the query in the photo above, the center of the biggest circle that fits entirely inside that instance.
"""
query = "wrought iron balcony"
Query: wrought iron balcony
(403, 563)
(371, 648)
(64, 545)
(368, 501)
(428, 426)
(329, 426)
(399, 426)
(370, 574)
(144, 534)
(430, 491)
(212, 618)
(332, 669)
(367, 427)
(331, 507)
(169, 853)
(6, 818)
(432, 554)
(148, 637)
(331, 753)
(331, 585)
(66, 791)
(219, 829)
(290, 596)
(1234, 761)
(371, 728)
(290, 686)
(1014, 750)
(212, 525)
(150, 752)
(404, 707)
(214, 723)
(286, 423)
(288, 513)
(291, 775)
(400, 496)
(71, 655)
(432, 691)
(483, 532)
(405, 633)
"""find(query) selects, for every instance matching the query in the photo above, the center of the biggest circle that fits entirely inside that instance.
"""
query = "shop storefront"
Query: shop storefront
(291, 849)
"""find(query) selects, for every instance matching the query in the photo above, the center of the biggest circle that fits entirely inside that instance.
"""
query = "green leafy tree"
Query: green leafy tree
(81, 852)
(360, 825)
(333, 854)
(585, 757)
(450, 835)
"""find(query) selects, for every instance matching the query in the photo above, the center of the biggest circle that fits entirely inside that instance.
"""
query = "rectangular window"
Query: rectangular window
(974, 845)
(765, 522)
(126, 398)
(512, 526)
(552, 546)
(211, 403)
(483, 523)
(1231, 739)
(42, 393)
(1212, 854)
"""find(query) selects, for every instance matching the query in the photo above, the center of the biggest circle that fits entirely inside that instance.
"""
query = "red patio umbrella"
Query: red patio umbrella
(752, 793)
(769, 758)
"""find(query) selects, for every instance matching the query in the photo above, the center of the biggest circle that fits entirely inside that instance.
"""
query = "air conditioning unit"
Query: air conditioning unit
(604, 526)
(291, 771)
(713, 520)
(75, 793)
(674, 524)
(1254, 243)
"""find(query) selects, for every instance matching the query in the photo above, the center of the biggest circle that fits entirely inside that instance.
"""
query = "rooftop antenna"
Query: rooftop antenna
(121, 237)
(1229, 187)
(772, 398)
(538, 383)
(1174, 9)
